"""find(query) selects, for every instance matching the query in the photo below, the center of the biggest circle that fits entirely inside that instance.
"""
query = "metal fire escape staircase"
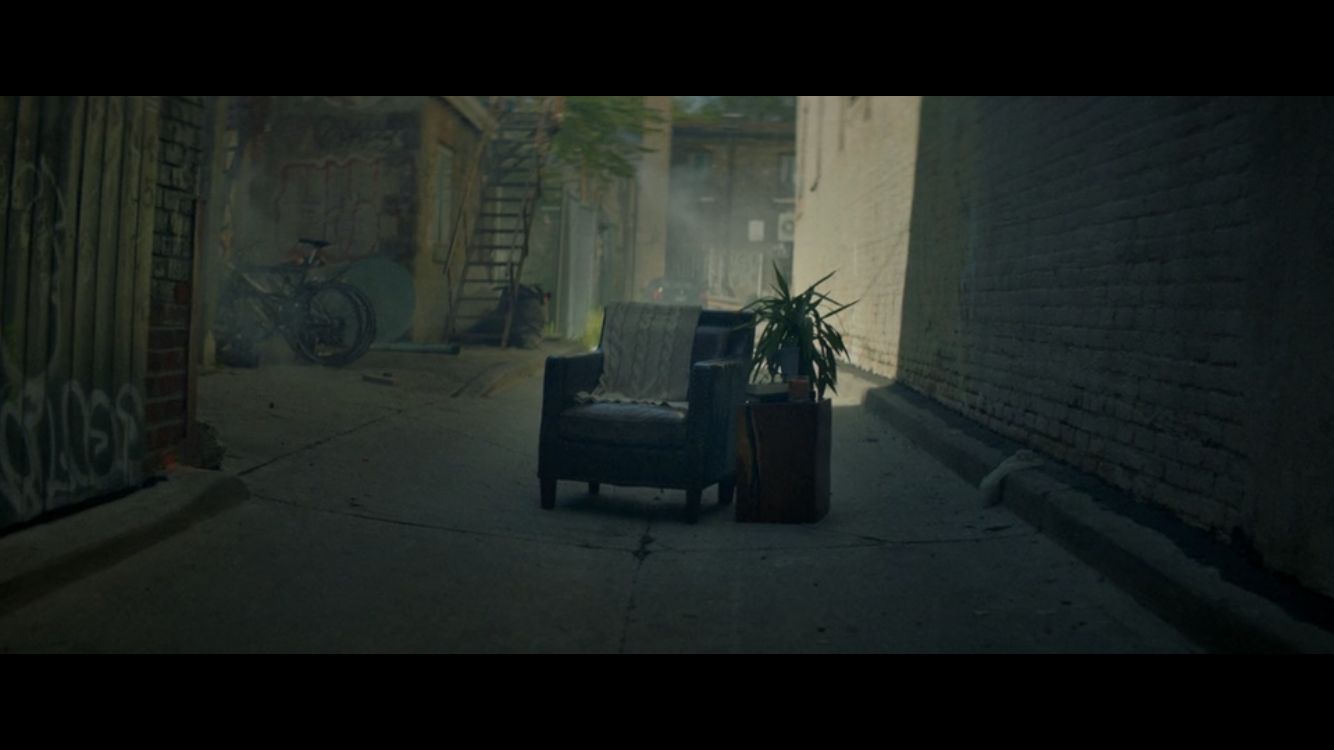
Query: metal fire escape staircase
(511, 161)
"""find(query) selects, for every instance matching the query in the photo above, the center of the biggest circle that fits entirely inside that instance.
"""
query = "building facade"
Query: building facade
(381, 178)
(1135, 287)
(731, 195)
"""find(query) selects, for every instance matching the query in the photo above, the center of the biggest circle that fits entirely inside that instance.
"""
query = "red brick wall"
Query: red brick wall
(167, 385)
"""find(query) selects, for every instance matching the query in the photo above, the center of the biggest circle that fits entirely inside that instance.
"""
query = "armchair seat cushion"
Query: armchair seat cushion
(643, 425)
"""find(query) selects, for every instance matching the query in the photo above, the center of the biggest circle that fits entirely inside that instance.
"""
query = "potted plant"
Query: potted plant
(798, 339)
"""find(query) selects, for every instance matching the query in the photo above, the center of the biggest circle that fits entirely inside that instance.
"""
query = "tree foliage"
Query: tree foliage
(601, 136)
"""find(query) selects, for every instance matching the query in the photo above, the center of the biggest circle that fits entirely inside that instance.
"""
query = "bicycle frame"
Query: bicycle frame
(290, 300)
(277, 310)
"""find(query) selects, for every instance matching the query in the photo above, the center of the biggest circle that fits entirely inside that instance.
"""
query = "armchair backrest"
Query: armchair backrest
(719, 335)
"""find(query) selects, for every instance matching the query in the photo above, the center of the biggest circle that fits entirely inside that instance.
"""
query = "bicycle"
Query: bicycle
(324, 321)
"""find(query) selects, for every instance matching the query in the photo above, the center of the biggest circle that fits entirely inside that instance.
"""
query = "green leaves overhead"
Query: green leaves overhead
(600, 135)
(802, 321)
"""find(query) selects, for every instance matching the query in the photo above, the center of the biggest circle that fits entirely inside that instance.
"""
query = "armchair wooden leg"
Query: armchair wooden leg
(692, 505)
(593, 488)
(726, 487)
(548, 493)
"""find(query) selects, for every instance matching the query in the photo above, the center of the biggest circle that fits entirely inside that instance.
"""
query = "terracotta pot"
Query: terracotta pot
(799, 389)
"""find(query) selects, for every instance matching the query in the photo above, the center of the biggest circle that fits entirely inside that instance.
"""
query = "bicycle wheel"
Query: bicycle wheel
(334, 328)
(368, 317)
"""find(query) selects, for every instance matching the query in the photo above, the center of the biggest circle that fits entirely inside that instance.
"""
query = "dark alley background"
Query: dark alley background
(302, 342)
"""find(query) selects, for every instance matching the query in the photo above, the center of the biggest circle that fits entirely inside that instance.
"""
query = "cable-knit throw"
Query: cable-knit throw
(646, 353)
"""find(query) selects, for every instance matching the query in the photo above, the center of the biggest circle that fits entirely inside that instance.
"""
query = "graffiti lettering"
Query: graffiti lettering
(64, 442)
(61, 441)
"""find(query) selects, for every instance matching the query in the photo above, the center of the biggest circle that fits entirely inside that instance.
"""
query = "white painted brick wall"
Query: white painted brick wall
(855, 220)
(1097, 311)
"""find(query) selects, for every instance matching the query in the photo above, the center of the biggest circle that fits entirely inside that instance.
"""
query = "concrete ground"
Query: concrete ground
(404, 517)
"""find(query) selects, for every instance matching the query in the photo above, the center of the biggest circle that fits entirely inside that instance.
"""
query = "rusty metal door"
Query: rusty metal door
(77, 212)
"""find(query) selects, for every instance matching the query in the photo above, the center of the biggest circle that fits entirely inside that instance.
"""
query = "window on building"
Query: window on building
(700, 166)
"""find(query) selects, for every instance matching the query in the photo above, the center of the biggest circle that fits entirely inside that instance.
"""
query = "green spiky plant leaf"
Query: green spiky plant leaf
(800, 320)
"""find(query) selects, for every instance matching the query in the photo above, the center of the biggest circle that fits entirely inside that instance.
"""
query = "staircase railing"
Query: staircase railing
(527, 214)
(461, 223)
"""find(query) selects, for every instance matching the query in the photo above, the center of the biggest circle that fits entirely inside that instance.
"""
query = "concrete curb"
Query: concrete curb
(1195, 583)
(41, 559)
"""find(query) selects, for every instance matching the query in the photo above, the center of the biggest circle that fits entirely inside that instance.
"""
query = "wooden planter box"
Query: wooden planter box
(790, 481)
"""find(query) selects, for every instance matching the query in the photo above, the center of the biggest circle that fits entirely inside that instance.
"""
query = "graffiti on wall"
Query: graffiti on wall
(61, 440)
(66, 441)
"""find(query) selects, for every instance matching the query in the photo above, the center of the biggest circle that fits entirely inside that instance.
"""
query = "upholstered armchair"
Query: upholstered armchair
(687, 446)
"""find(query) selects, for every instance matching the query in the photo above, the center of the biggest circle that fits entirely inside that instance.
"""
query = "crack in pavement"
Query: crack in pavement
(508, 379)
(474, 437)
(317, 443)
(498, 367)
(335, 436)
(642, 552)
(640, 555)
(946, 540)
(868, 542)
(441, 527)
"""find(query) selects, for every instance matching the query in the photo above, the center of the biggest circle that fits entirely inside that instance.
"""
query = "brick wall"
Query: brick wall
(345, 169)
(854, 205)
(179, 162)
(1103, 279)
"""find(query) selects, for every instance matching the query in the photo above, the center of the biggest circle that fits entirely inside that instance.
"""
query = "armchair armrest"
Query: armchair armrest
(564, 377)
(717, 387)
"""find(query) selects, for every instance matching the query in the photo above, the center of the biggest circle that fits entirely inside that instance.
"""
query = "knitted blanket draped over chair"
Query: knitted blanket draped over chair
(646, 354)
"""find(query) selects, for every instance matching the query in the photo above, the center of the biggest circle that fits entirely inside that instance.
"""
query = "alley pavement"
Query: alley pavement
(393, 507)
